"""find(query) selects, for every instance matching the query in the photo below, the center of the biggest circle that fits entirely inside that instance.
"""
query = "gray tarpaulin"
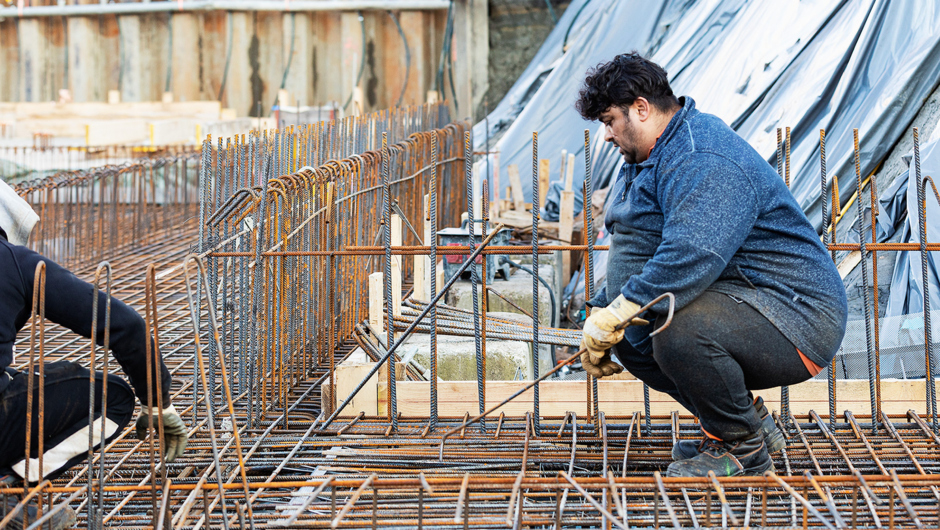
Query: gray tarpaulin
(807, 64)
(902, 324)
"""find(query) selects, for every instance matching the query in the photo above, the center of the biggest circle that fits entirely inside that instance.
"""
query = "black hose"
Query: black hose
(445, 50)
(551, 12)
(404, 41)
(551, 293)
(228, 56)
(564, 43)
(169, 53)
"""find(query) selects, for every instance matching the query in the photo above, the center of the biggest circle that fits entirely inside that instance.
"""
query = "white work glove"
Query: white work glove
(601, 334)
(174, 437)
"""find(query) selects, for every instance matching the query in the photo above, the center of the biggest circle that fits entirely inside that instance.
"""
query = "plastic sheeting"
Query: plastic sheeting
(807, 64)
(907, 283)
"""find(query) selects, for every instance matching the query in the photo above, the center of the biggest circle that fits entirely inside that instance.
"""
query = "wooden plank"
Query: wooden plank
(569, 171)
(348, 376)
(242, 86)
(495, 200)
(116, 132)
(471, 55)
(544, 181)
(154, 39)
(297, 54)
(422, 264)
(131, 58)
(565, 230)
(623, 397)
(266, 57)
(415, 29)
(56, 73)
(352, 55)
(376, 306)
(31, 46)
(118, 109)
(849, 263)
(212, 49)
(516, 187)
(396, 265)
(172, 132)
(381, 389)
(187, 57)
(329, 53)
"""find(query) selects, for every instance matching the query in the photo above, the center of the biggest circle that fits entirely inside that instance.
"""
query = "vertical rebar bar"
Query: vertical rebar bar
(535, 278)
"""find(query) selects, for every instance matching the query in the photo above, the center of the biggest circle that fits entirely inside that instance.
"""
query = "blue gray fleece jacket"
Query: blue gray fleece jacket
(706, 212)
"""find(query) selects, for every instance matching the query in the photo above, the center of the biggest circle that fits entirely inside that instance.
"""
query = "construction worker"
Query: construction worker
(68, 302)
(697, 212)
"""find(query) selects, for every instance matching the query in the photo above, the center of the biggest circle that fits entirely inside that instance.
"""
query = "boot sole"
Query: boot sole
(746, 472)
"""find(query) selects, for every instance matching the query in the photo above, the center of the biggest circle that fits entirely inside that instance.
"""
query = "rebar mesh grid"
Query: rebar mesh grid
(288, 230)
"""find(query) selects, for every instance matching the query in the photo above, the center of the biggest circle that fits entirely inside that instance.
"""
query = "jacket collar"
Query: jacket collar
(688, 105)
(3, 235)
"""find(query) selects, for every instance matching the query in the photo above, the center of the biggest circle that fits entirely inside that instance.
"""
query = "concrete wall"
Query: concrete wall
(517, 29)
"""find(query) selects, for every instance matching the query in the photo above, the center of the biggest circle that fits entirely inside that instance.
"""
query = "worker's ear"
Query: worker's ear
(643, 108)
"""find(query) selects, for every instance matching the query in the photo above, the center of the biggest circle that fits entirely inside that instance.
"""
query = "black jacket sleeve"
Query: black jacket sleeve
(69, 303)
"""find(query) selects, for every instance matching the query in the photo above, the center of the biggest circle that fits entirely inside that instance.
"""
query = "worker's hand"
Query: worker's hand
(174, 438)
(600, 330)
(599, 366)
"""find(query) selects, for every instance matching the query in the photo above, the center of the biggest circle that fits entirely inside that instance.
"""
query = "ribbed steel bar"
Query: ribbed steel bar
(293, 285)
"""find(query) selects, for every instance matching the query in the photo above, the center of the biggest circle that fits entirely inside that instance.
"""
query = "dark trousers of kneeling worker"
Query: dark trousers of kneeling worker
(716, 351)
(65, 418)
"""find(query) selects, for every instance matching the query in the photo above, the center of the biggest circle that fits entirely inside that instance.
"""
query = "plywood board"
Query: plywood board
(516, 186)
(172, 132)
(116, 132)
(624, 397)
(348, 375)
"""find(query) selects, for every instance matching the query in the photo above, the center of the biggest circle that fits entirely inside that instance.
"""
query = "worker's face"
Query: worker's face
(621, 131)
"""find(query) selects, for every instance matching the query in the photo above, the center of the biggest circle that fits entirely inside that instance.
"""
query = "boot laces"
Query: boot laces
(716, 447)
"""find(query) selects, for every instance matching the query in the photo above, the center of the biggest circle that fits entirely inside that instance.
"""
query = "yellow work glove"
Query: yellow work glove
(600, 334)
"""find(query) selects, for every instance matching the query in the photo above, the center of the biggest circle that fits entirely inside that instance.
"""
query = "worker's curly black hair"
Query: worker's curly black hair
(620, 82)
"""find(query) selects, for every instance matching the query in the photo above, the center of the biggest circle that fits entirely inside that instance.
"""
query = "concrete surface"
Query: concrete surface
(518, 289)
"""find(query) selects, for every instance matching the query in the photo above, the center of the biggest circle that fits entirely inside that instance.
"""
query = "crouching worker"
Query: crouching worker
(68, 302)
(697, 212)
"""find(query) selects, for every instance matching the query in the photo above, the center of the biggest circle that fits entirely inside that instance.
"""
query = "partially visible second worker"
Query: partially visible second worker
(68, 302)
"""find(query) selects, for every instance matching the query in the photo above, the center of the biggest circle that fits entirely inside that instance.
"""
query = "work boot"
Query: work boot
(768, 427)
(61, 520)
(727, 459)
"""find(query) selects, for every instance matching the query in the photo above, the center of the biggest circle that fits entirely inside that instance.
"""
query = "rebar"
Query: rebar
(281, 263)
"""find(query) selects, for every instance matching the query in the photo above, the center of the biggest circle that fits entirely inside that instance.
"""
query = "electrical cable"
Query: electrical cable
(564, 43)
(228, 58)
(551, 11)
(169, 51)
(362, 62)
(445, 49)
(551, 292)
(407, 57)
